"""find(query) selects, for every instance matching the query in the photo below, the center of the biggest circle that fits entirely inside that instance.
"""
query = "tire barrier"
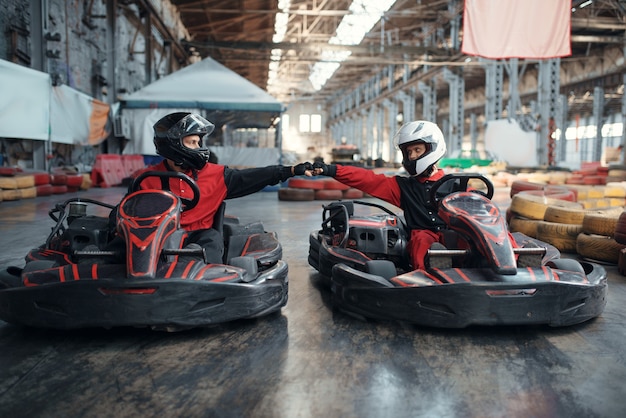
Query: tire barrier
(320, 188)
(562, 236)
(352, 193)
(598, 247)
(534, 207)
(525, 226)
(295, 194)
(305, 183)
(564, 215)
(601, 222)
(332, 194)
(620, 229)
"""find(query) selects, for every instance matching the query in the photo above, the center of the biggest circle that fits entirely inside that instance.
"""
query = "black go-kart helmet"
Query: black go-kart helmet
(169, 132)
(427, 133)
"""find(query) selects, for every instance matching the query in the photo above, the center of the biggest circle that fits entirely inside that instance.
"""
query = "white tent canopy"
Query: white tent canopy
(206, 87)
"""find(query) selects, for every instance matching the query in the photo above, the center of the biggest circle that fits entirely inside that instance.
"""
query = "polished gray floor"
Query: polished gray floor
(309, 360)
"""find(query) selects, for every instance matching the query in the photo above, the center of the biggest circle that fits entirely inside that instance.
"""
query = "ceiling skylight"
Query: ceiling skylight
(351, 31)
(280, 28)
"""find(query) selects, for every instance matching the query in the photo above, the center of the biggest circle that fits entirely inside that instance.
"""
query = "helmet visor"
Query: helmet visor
(191, 125)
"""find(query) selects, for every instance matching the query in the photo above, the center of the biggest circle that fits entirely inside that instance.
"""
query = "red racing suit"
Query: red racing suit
(412, 195)
(216, 183)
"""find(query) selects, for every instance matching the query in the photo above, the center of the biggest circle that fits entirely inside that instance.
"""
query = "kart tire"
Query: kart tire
(614, 191)
(564, 215)
(28, 192)
(25, 181)
(292, 194)
(600, 223)
(11, 194)
(621, 262)
(41, 178)
(58, 179)
(554, 192)
(328, 194)
(8, 183)
(562, 236)
(332, 184)
(598, 247)
(303, 183)
(383, 268)
(74, 180)
(352, 193)
(620, 229)
(44, 189)
(523, 225)
(568, 264)
(522, 185)
(59, 188)
(534, 207)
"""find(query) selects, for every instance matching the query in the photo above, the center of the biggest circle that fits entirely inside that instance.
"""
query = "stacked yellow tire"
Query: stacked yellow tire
(567, 225)
(620, 238)
(16, 184)
(596, 241)
(17, 187)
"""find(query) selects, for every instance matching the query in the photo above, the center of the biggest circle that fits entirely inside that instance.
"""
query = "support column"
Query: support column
(548, 94)
(494, 76)
(457, 92)
(598, 114)
(429, 98)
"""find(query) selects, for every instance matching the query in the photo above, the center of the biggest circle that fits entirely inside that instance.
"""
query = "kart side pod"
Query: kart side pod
(146, 219)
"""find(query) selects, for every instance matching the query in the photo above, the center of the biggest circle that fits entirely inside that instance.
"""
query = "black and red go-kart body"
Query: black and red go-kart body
(85, 277)
(486, 279)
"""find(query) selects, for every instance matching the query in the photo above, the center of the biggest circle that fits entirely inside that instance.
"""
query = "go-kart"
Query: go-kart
(79, 278)
(481, 275)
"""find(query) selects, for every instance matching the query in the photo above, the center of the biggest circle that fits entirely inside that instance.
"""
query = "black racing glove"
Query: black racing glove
(322, 169)
(301, 169)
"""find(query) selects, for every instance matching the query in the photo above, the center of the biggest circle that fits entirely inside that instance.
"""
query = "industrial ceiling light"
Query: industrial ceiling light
(351, 31)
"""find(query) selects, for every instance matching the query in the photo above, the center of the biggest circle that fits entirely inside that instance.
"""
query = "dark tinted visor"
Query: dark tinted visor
(191, 125)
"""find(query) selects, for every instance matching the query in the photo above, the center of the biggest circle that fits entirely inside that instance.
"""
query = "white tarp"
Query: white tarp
(506, 139)
(24, 102)
(31, 108)
(76, 118)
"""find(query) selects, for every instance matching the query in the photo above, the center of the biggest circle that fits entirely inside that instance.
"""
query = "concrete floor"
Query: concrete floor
(308, 360)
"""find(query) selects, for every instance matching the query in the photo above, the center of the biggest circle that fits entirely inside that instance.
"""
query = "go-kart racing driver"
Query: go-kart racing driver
(422, 145)
(181, 139)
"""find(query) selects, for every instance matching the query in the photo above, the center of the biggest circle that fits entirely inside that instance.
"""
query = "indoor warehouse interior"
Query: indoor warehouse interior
(213, 208)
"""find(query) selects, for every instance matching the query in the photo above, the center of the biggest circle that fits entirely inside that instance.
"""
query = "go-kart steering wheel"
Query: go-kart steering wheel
(458, 182)
(165, 185)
